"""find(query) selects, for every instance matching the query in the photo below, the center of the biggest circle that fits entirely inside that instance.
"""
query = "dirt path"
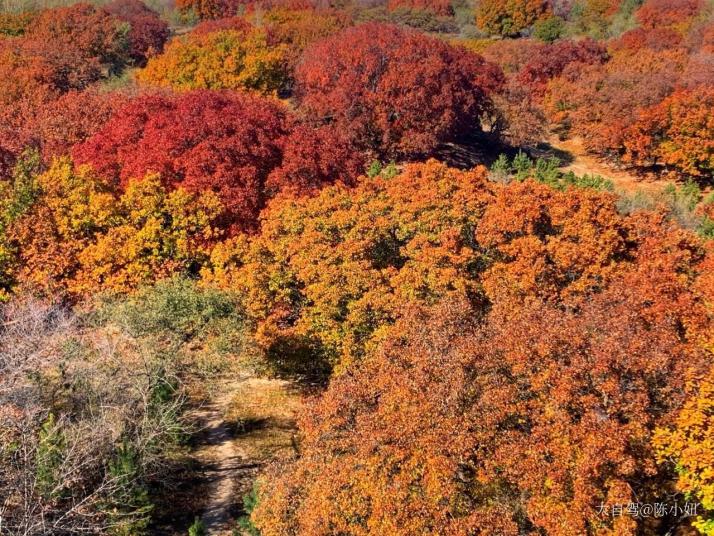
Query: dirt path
(220, 459)
(582, 163)
(248, 422)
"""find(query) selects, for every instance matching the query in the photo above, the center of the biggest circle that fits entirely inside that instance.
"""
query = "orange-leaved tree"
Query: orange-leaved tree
(677, 132)
(599, 102)
(326, 274)
(688, 447)
(509, 17)
(538, 419)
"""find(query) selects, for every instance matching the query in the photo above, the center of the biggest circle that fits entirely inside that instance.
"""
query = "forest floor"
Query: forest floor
(576, 159)
(246, 423)
(570, 152)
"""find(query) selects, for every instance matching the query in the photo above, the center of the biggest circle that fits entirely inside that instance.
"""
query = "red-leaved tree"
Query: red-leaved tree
(147, 32)
(553, 59)
(202, 140)
(397, 92)
(55, 125)
(313, 157)
(659, 13)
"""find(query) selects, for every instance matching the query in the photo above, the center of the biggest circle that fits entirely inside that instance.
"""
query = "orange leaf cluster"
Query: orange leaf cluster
(529, 421)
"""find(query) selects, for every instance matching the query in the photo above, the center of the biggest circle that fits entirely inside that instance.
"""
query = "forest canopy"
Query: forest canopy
(355, 268)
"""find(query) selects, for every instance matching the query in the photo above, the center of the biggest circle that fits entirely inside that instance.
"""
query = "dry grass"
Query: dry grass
(263, 413)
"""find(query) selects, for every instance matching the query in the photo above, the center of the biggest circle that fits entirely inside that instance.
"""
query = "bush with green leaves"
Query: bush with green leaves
(177, 314)
(378, 169)
(544, 170)
(51, 445)
(250, 501)
(197, 528)
(550, 29)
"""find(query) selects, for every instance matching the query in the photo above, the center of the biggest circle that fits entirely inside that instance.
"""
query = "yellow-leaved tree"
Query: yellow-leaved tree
(83, 235)
(226, 59)
(156, 233)
(689, 445)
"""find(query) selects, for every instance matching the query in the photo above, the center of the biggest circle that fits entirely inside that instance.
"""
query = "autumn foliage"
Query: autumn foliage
(678, 132)
(439, 7)
(689, 445)
(509, 17)
(667, 13)
(348, 259)
(82, 233)
(14, 24)
(397, 92)
(80, 42)
(316, 156)
(535, 419)
(147, 32)
(507, 351)
(226, 59)
(297, 29)
(223, 142)
(552, 60)
(601, 101)
(209, 9)
(53, 126)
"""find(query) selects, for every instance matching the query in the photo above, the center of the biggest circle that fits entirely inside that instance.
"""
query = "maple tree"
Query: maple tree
(439, 7)
(518, 116)
(346, 258)
(238, 24)
(599, 102)
(209, 9)
(512, 54)
(510, 17)
(690, 445)
(147, 32)
(74, 205)
(81, 42)
(14, 24)
(398, 92)
(667, 13)
(201, 140)
(24, 76)
(313, 157)
(296, 29)
(154, 234)
(330, 271)
(226, 59)
(60, 50)
(593, 17)
(653, 38)
(552, 60)
(500, 352)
